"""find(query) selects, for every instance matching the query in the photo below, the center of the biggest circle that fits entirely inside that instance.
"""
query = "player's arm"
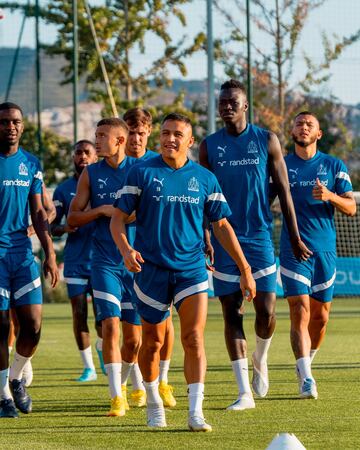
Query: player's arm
(280, 179)
(79, 212)
(344, 203)
(225, 234)
(132, 258)
(41, 226)
(48, 204)
(58, 228)
(203, 155)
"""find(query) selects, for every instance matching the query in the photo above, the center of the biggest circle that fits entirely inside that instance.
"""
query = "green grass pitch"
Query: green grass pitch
(68, 415)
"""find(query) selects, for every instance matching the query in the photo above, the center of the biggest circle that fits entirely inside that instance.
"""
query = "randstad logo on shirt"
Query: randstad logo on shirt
(313, 182)
(244, 162)
(16, 182)
(183, 199)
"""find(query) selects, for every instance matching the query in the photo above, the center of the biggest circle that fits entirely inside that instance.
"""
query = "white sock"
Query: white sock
(152, 392)
(241, 371)
(113, 371)
(313, 352)
(164, 369)
(17, 366)
(126, 369)
(261, 351)
(4, 384)
(196, 397)
(87, 359)
(99, 344)
(304, 367)
(10, 349)
(136, 378)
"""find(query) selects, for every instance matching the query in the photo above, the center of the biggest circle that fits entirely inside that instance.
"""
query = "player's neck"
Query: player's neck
(115, 160)
(175, 163)
(234, 129)
(8, 150)
(306, 152)
(136, 155)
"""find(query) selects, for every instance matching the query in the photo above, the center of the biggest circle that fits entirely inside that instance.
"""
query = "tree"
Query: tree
(282, 24)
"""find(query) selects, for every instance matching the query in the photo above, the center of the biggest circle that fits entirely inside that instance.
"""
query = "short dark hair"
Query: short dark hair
(233, 84)
(84, 141)
(177, 117)
(306, 113)
(115, 122)
(135, 117)
(9, 105)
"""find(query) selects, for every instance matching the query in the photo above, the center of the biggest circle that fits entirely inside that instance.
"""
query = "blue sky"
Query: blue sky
(342, 18)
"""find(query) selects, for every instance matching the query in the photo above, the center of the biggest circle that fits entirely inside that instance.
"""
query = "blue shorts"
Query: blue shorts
(114, 294)
(261, 258)
(314, 277)
(20, 282)
(77, 279)
(156, 288)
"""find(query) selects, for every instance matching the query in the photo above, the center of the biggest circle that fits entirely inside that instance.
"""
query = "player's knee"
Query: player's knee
(192, 340)
(132, 344)
(321, 318)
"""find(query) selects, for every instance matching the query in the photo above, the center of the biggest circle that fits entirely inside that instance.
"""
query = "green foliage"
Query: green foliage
(55, 155)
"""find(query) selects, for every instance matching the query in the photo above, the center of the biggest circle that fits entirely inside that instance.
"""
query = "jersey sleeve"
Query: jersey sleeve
(342, 179)
(36, 185)
(59, 202)
(216, 206)
(128, 197)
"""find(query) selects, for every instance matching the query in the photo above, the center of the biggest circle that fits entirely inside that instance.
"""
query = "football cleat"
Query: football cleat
(166, 394)
(8, 409)
(101, 361)
(156, 416)
(198, 423)
(87, 375)
(27, 375)
(260, 380)
(244, 401)
(308, 389)
(117, 408)
(22, 399)
(138, 398)
(124, 396)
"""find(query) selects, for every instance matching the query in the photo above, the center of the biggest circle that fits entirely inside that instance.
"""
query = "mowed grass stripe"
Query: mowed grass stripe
(68, 415)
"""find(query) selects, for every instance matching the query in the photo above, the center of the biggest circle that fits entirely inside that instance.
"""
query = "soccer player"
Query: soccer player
(319, 184)
(77, 260)
(169, 195)
(20, 286)
(110, 281)
(139, 122)
(244, 157)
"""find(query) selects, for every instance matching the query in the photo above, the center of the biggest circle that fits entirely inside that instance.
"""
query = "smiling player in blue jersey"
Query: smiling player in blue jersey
(77, 259)
(319, 184)
(20, 285)
(140, 126)
(244, 157)
(111, 282)
(170, 195)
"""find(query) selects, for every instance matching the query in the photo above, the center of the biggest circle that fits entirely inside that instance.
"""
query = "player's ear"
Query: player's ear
(191, 141)
(246, 105)
(320, 134)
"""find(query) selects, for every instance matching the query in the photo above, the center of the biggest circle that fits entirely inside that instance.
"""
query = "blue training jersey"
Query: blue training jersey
(105, 181)
(315, 218)
(20, 177)
(169, 206)
(240, 164)
(78, 244)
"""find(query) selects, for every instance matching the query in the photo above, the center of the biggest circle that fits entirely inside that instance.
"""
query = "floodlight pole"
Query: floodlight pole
(75, 69)
(249, 63)
(38, 80)
(210, 69)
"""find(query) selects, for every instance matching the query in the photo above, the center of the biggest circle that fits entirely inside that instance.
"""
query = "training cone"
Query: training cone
(285, 441)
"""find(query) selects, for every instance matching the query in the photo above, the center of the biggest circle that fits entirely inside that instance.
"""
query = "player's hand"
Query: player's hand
(132, 260)
(50, 269)
(209, 254)
(106, 210)
(301, 252)
(321, 192)
(69, 229)
(30, 231)
(247, 284)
